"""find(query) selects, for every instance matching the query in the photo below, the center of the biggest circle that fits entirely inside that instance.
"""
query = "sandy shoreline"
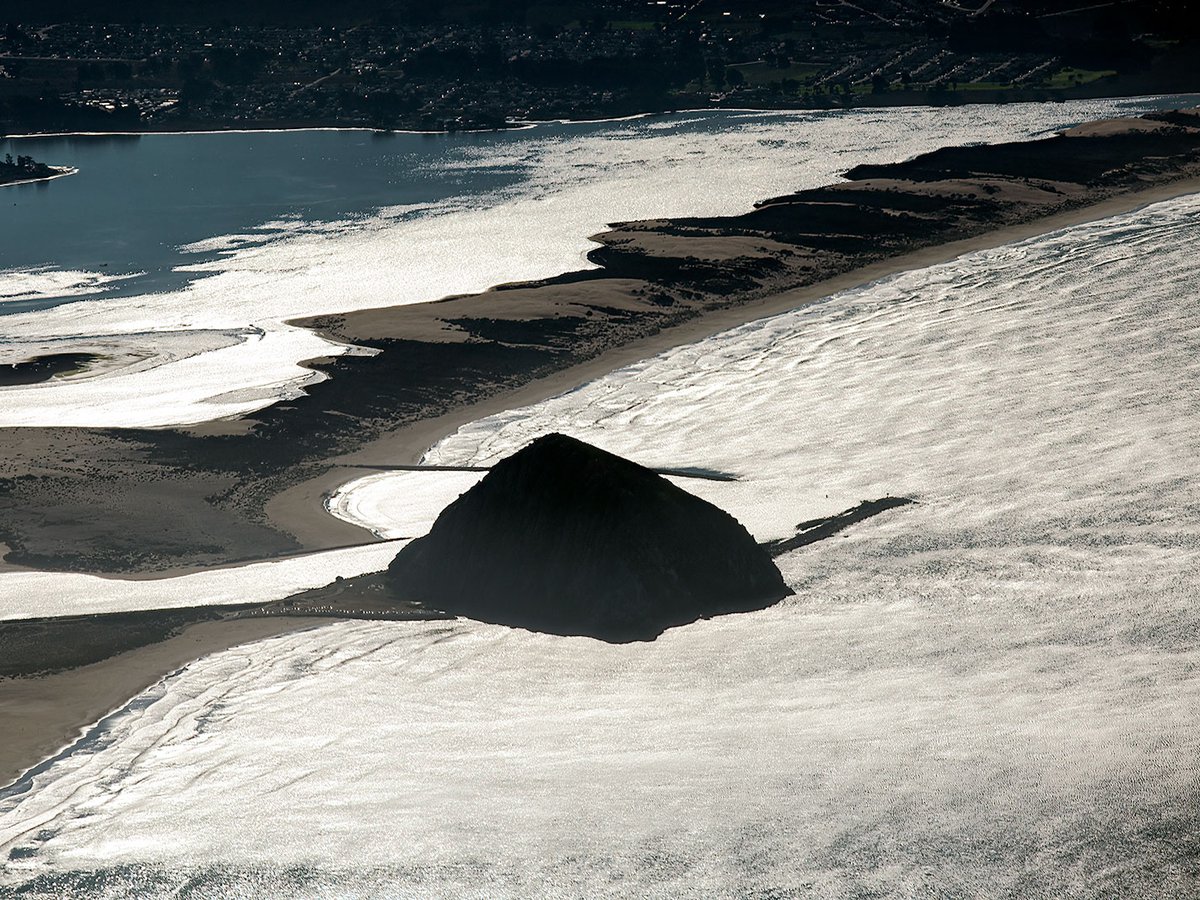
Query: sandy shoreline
(39, 716)
(300, 509)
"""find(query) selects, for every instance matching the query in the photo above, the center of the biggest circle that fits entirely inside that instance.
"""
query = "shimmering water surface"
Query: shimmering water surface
(993, 693)
(186, 254)
(407, 218)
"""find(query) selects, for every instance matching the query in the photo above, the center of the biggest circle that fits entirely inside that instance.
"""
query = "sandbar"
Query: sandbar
(159, 503)
(40, 715)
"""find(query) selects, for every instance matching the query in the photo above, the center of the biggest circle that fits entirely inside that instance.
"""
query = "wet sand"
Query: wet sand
(61, 675)
(163, 503)
(41, 715)
(300, 508)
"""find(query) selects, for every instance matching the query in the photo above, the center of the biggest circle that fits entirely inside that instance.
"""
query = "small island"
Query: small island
(26, 168)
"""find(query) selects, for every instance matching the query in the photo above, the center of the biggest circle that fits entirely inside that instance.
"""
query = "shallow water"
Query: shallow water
(31, 594)
(184, 254)
(282, 224)
(992, 693)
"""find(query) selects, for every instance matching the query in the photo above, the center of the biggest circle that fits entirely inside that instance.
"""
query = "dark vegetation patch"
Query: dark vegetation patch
(1073, 160)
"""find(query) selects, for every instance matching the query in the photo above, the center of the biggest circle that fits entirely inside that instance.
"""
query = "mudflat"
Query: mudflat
(164, 501)
(153, 503)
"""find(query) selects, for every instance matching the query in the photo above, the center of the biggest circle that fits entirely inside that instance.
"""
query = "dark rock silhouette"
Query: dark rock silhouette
(563, 537)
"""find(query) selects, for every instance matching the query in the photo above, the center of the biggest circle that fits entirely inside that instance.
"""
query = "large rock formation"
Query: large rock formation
(566, 538)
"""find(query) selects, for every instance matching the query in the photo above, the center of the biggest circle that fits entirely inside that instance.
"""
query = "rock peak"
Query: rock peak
(566, 538)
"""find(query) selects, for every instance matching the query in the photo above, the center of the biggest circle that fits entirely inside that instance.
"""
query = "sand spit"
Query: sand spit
(42, 715)
(163, 501)
(157, 500)
(59, 676)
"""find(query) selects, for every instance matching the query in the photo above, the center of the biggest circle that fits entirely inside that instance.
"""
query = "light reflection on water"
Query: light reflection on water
(234, 234)
(992, 693)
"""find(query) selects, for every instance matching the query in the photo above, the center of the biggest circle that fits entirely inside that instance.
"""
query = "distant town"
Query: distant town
(79, 66)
